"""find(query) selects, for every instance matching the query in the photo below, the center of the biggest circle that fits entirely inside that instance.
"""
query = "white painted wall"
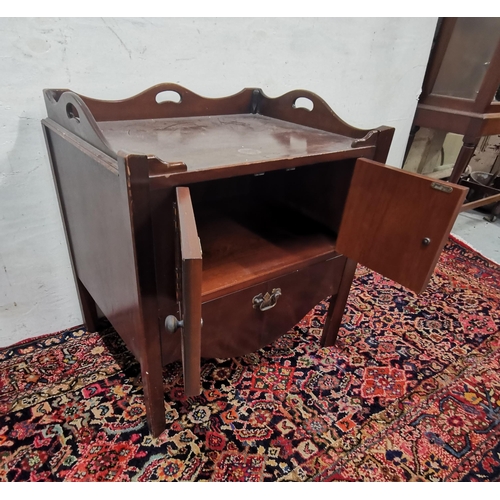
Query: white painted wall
(368, 70)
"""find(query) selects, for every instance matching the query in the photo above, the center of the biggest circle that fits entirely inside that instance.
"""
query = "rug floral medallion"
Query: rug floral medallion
(410, 392)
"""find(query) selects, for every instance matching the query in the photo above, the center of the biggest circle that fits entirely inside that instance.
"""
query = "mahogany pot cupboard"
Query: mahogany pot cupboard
(207, 228)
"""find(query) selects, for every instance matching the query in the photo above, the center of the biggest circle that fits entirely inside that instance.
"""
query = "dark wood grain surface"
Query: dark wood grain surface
(214, 141)
(97, 221)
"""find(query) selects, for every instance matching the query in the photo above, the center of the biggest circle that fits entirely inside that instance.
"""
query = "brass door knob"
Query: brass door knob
(172, 324)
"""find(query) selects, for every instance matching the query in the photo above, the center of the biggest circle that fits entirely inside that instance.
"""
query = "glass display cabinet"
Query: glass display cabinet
(460, 93)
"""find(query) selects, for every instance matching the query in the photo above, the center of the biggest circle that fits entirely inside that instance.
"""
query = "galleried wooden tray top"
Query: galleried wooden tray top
(209, 227)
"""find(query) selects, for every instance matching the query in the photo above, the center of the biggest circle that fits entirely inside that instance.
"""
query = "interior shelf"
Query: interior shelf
(247, 241)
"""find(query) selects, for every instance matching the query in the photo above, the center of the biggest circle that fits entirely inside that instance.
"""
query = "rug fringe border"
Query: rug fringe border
(38, 338)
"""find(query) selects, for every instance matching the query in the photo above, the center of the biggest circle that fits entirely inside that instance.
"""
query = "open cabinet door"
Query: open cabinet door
(397, 223)
(190, 265)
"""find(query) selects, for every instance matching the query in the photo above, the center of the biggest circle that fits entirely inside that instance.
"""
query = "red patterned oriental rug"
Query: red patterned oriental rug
(411, 392)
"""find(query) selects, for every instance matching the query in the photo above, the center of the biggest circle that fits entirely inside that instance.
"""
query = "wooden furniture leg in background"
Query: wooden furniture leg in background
(337, 305)
(424, 155)
(464, 158)
(88, 307)
(413, 131)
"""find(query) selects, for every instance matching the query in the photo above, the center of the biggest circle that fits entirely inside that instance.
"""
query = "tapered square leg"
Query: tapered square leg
(464, 157)
(152, 381)
(337, 305)
(88, 306)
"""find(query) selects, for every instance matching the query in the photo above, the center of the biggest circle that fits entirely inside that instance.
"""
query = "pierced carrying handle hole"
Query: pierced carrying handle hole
(72, 112)
(168, 96)
(303, 102)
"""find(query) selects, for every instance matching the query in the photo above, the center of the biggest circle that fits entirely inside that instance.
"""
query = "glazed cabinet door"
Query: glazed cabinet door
(189, 277)
(397, 223)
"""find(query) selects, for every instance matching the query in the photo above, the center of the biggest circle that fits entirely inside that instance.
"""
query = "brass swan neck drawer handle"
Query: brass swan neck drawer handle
(267, 301)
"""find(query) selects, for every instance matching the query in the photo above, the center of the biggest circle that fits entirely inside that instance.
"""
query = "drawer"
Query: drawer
(232, 326)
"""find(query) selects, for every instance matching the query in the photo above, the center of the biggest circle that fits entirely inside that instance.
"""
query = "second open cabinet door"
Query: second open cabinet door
(397, 223)
(189, 290)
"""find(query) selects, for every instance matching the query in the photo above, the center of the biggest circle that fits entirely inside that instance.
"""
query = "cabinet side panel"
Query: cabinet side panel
(99, 233)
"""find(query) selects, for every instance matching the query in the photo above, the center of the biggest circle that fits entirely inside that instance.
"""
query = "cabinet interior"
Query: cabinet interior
(254, 228)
